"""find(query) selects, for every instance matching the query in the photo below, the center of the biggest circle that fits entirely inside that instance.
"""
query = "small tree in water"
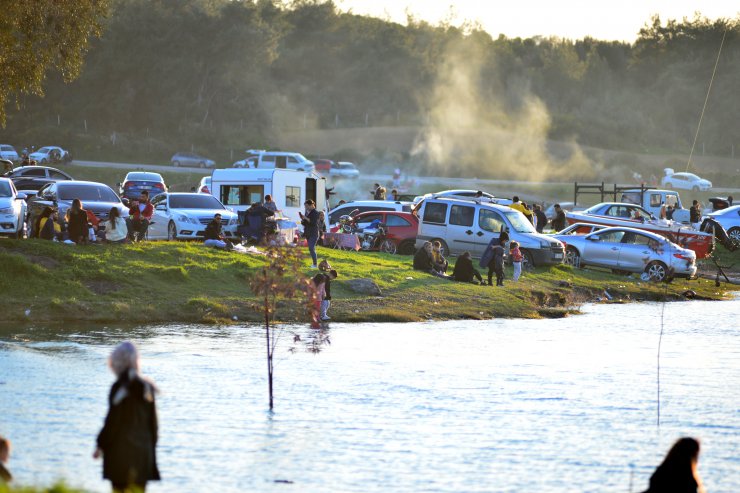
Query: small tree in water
(282, 278)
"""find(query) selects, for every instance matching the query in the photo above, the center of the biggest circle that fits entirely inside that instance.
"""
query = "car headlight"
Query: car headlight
(185, 219)
(7, 210)
(544, 244)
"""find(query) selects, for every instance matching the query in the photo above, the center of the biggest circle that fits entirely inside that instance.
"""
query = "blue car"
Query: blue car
(140, 181)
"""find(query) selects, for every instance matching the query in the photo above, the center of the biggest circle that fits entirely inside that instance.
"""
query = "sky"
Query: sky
(602, 19)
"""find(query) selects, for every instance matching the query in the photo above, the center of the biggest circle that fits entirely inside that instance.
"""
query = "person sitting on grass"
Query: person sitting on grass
(77, 226)
(214, 236)
(440, 262)
(5, 476)
(464, 270)
(424, 260)
(116, 230)
(139, 216)
(47, 225)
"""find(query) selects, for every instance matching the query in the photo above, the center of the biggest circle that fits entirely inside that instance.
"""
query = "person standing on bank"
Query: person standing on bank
(493, 258)
(559, 221)
(128, 439)
(695, 214)
(541, 218)
(677, 473)
(310, 222)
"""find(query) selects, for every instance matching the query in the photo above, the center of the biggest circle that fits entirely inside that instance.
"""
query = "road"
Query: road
(468, 183)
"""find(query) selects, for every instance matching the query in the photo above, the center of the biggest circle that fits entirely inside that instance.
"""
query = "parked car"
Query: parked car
(98, 198)
(629, 250)
(51, 155)
(30, 179)
(261, 159)
(323, 166)
(464, 195)
(140, 181)
(8, 152)
(205, 185)
(685, 181)
(183, 216)
(401, 227)
(12, 209)
(191, 159)
(344, 169)
(578, 229)
(618, 209)
(366, 206)
(462, 225)
(729, 218)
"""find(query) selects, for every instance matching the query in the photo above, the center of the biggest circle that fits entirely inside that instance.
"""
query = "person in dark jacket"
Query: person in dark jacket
(213, 235)
(695, 214)
(677, 473)
(558, 222)
(424, 258)
(464, 270)
(128, 439)
(541, 218)
(326, 278)
(77, 226)
(311, 227)
(493, 258)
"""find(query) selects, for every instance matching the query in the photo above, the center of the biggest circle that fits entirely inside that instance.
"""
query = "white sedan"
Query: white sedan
(184, 216)
(729, 219)
(344, 169)
(686, 181)
(12, 209)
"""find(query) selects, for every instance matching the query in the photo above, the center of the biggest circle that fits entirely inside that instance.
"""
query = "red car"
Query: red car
(323, 166)
(402, 227)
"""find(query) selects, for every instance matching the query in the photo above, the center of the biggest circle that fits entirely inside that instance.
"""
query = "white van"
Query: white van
(260, 159)
(462, 225)
(237, 189)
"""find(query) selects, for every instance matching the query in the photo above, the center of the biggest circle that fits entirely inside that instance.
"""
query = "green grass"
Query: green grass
(57, 488)
(187, 282)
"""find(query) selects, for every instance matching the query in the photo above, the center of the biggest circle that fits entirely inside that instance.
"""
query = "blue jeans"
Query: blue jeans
(312, 247)
(215, 243)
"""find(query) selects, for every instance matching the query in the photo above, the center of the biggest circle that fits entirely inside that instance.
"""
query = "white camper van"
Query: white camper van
(237, 189)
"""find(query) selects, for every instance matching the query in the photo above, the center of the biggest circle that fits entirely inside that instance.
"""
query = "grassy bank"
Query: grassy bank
(45, 282)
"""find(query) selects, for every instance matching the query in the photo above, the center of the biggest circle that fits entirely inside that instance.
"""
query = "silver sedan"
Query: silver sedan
(729, 219)
(629, 250)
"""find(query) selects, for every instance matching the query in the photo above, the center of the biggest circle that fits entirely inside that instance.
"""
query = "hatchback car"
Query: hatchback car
(629, 250)
(685, 181)
(191, 159)
(344, 169)
(98, 198)
(184, 216)
(12, 209)
(140, 181)
(30, 179)
(729, 219)
(51, 155)
(401, 227)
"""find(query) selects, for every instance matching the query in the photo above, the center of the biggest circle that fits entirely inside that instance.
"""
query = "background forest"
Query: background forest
(221, 76)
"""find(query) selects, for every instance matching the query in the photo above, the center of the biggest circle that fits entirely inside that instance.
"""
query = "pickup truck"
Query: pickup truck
(651, 199)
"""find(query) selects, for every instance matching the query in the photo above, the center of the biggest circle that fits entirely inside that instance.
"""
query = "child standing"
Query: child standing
(322, 281)
(516, 258)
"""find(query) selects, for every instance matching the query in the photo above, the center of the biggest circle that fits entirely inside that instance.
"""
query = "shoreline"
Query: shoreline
(45, 283)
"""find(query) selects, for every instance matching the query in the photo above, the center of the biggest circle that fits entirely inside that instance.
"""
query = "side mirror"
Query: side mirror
(21, 196)
(593, 238)
(161, 207)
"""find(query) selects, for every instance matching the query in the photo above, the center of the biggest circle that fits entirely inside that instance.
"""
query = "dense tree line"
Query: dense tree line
(221, 74)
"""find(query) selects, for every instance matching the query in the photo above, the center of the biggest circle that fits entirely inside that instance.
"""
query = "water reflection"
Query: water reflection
(502, 405)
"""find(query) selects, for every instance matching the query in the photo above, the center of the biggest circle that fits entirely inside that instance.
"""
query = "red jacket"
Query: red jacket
(137, 214)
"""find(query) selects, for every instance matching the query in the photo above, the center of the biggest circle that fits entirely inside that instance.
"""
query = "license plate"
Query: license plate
(146, 187)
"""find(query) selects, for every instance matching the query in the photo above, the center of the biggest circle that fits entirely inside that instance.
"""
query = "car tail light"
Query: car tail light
(204, 189)
(128, 184)
(159, 186)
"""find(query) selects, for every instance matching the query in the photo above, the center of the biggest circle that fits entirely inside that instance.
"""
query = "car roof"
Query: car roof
(503, 208)
(372, 202)
(393, 213)
(19, 168)
(69, 183)
(616, 203)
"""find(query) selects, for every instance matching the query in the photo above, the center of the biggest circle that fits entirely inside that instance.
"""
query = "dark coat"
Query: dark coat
(541, 220)
(129, 437)
(694, 214)
(310, 224)
(558, 223)
(668, 479)
(77, 226)
(488, 253)
(213, 231)
(464, 271)
(326, 279)
(423, 261)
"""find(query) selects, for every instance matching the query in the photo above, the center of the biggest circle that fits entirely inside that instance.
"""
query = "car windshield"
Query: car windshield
(519, 222)
(5, 190)
(44, 149)
(199, 201)
(144, 177)
(91, 193)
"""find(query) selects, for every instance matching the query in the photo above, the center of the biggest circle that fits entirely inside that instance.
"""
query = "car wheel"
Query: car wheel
(176, 164)
(201, 164)
(528, 260)
(572, 257)
(406, 248)
(445, 248)
(171, 231)
(656, 271)
(734, 233)
(388, 247)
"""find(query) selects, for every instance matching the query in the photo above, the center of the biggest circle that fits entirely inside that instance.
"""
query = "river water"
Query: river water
(465, 406)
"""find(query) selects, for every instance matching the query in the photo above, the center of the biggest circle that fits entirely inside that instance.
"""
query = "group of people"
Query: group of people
(430, 258)
(82, 226)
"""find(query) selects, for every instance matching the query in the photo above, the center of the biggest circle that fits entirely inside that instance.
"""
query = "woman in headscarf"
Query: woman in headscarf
(128, 439)
(677, 473)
